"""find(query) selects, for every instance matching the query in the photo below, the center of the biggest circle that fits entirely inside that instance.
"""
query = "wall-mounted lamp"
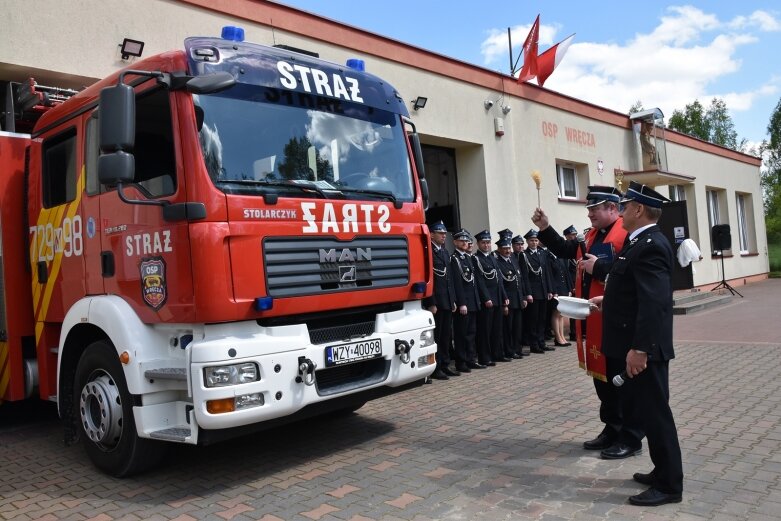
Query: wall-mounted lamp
(488, 104)
(506, 109)
(130, 48)
(419, 102)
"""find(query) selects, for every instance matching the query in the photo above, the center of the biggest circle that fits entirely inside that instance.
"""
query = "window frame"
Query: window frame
(560, 181)
(67, 136)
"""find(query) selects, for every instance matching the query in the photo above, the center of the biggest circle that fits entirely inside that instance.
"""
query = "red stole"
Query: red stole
(590, 355)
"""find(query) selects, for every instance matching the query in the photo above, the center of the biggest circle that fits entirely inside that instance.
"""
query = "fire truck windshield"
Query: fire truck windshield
(257, 140)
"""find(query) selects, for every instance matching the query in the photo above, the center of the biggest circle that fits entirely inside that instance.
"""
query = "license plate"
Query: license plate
(352, 352)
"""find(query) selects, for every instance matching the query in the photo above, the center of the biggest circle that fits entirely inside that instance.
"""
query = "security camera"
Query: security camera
(506, 109)
(488, 104)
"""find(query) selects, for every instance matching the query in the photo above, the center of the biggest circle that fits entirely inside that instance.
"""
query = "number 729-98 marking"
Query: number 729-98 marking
(47, 241)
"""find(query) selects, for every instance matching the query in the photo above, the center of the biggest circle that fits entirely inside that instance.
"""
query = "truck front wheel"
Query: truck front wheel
(105, 415)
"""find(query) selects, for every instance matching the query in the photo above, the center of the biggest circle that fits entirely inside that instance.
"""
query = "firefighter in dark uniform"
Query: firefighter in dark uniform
(467, 303)
(512, 279)
(492, 302)
(637, 337)
(442, 301)
(519, 245)
(540, 290)
(571, 233)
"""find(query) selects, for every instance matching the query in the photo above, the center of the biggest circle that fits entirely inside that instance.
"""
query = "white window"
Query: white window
(568, 182)
(717, 204)
(743, 224)
(713, 207)
(677, 193)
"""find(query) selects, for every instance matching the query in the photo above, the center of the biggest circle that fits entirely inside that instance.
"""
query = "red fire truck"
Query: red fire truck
(220, 239)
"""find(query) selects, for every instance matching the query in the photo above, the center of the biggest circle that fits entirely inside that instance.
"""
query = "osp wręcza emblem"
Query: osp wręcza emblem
(154, 287)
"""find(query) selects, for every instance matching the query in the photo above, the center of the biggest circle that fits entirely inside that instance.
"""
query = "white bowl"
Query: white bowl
(573, 307)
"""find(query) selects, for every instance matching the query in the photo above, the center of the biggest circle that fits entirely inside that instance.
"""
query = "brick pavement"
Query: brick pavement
(504, 443)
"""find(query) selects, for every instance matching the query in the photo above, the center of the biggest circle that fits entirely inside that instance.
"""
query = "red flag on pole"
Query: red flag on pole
(529, 69)
(550, 59)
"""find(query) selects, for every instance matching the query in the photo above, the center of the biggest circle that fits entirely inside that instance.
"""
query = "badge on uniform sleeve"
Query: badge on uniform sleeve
(154, 287)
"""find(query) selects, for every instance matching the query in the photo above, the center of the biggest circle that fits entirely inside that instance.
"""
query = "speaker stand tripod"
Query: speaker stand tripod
(724, 284)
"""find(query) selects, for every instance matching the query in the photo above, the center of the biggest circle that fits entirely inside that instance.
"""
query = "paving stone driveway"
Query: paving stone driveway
(503, 443)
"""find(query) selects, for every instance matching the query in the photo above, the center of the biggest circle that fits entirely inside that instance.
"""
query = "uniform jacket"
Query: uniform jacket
(521, 260)
(637, 310)
(562, 283)
(444, 294)
(513, 280)
(540, 282)
(489, 281)
(463, 273)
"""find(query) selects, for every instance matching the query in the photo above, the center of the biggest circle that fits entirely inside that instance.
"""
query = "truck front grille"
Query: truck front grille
(351, 376)
(298, 266)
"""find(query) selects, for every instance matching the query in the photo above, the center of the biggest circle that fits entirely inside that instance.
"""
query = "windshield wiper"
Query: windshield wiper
(325, 194)
(376, 193)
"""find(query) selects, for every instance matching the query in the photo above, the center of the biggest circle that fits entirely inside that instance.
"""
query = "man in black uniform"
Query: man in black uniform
(519, 245)
(540, 290)
(571, 233)
(442, 302)
(637, 337)
(467, 303)
(512, 279)
(492, 300)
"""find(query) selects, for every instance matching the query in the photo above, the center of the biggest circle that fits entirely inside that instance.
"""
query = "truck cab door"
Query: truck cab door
(145, 259)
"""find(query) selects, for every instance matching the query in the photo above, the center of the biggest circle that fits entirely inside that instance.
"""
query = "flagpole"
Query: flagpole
(510, 43)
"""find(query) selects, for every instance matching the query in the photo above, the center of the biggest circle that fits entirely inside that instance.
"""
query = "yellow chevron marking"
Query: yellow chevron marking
(42, 293)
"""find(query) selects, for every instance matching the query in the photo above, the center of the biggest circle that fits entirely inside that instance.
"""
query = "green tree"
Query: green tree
(637, 106)
(713, 124)
(771, 177)
(691, 120)
(722, 129)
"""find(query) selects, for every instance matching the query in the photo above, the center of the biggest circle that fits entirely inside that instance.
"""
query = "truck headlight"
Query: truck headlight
(427, 338)
(223, 375)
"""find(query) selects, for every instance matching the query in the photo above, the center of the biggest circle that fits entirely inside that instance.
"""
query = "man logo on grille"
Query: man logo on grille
(347, 273)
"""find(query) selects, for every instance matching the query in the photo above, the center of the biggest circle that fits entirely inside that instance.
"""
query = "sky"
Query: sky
(663, 54)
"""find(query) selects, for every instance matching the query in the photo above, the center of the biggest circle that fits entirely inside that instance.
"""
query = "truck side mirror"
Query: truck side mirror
(117, 118)
(417, 153)
(424, 193)
(116, 167)
(211, 83)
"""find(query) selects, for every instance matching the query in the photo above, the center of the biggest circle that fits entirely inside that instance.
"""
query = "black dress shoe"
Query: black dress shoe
(475, 365)
(601, 442)
(620, 451)
(504, 359)
(450, 372)
(439, 375)
(490, 364)
(517, 356)
(536, 350)
(548, 348)
(463, 368)
(562, 344)
(644, 479)
(653, 498)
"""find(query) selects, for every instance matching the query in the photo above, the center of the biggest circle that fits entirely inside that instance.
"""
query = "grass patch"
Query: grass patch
(774, 254)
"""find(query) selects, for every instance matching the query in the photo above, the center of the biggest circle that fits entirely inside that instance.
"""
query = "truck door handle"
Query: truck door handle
(107, 263)
(43, 272)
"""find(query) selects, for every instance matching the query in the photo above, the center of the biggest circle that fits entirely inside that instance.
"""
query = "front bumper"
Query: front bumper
(279, 351)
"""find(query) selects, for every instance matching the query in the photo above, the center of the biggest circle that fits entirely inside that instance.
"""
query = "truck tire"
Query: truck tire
(105, 415)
